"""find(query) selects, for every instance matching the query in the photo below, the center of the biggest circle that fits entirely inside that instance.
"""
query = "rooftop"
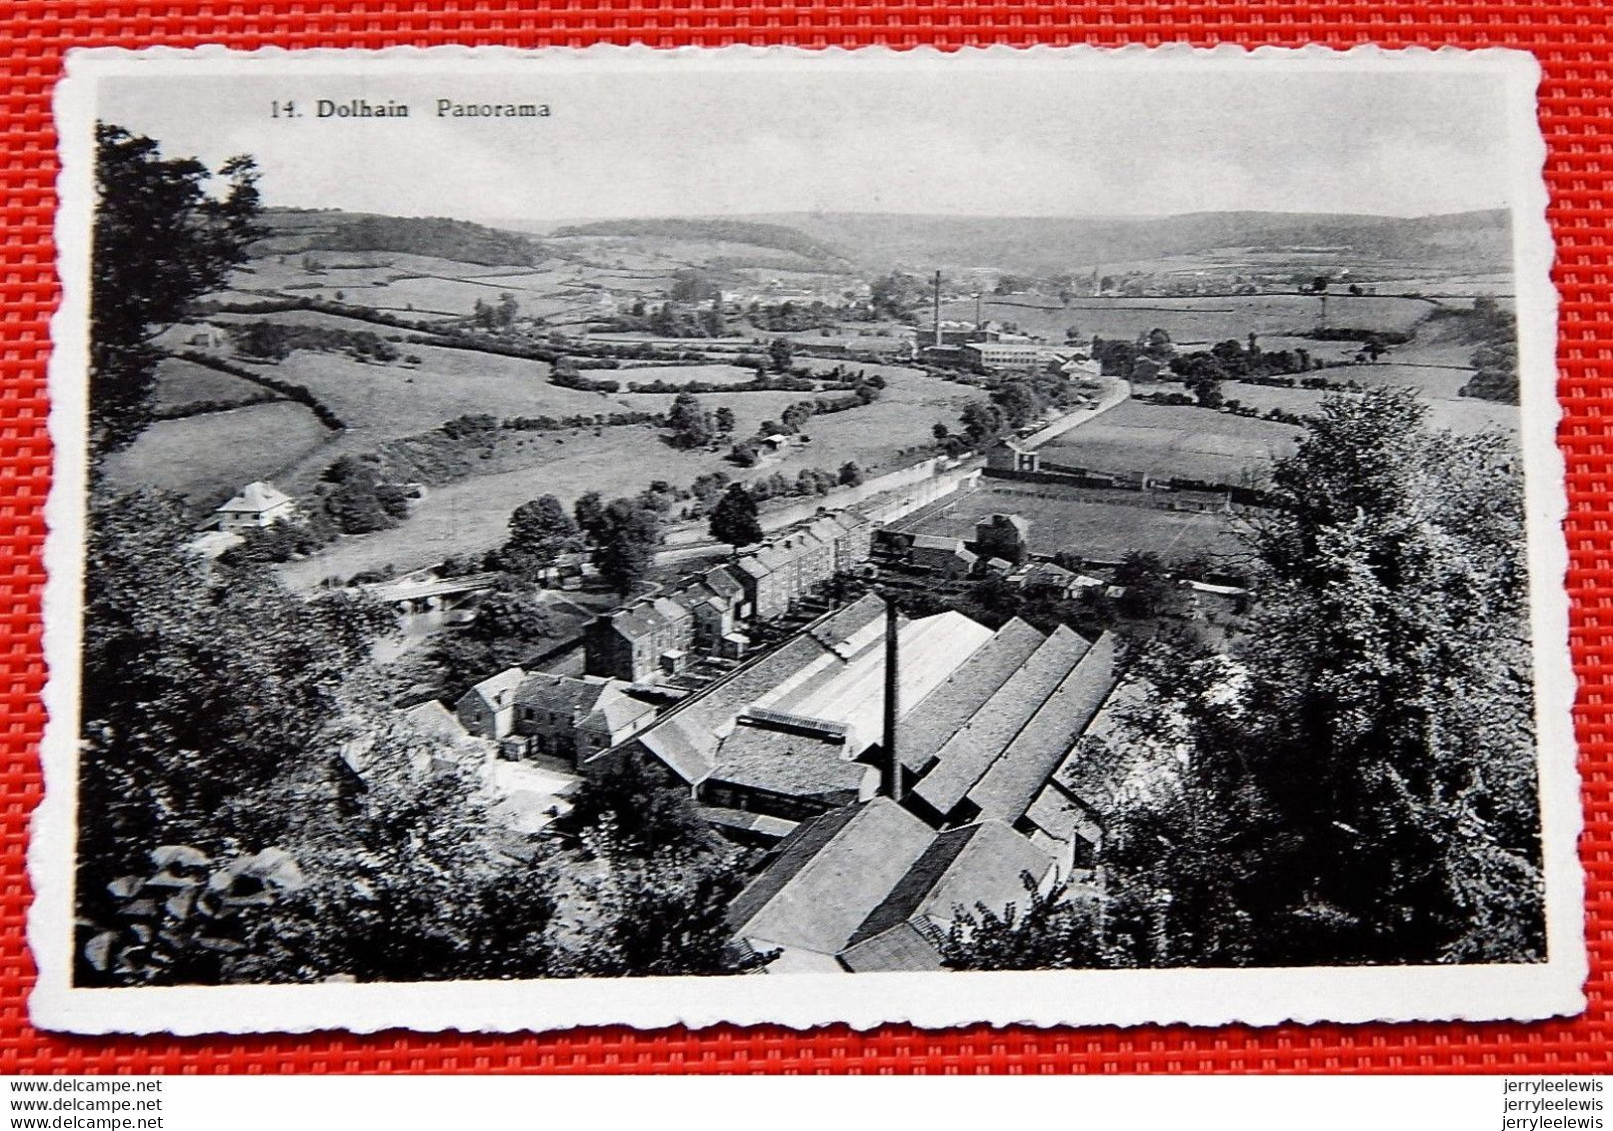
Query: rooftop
(789, 764)
(559, 693)
(956, 699)
(499, 689)
(255, 498)
(1007, 788)
(964, 759)
(828, 876)
(978, 864)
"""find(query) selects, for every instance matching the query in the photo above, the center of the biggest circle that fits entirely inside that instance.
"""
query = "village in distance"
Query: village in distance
(800, 592)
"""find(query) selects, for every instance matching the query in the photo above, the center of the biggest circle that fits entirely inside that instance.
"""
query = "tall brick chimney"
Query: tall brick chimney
(890, 766)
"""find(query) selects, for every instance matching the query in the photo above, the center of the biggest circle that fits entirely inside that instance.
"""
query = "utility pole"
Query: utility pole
(938, 308)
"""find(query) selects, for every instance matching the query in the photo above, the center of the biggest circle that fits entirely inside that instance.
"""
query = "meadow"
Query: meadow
(208, 458)
(1083, 523)
(681, 374)
(1171, 441)
(1195, 321)
(181, 383)
(473, 514)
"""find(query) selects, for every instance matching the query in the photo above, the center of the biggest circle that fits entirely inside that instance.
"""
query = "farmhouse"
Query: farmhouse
(258, 505)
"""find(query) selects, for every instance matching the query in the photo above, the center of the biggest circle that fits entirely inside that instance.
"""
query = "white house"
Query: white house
(257, 506)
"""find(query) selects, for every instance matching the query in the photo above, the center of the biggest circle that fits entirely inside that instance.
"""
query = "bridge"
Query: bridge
(413, 594)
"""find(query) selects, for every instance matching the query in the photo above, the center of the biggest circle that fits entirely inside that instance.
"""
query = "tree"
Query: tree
(1148, 585)
(195, 686)
(540, 531)
(795, 416)
(1051, 932)
(160, 242)
(724, 418)
(589, 511)
(690, 424)
(780, 353)
(982, 421)
(509, 627)
(625, 546)
(734, 520)
(357, 502)
(939, 430)
(506, 311)
(1359, 779)
(850, 475)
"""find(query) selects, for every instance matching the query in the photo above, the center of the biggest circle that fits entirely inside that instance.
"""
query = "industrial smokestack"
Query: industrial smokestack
(938, 309)
(890, 769)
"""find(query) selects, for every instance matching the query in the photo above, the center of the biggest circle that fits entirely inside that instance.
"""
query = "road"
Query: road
(1114, 391)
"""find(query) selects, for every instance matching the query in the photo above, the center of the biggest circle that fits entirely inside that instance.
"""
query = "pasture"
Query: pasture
(384, 402)
(473, 514)
(1195, 321)
(1459, 414)
(1097, 525)
(207, 458)
(181, 383)
(682, 374)
(1168, 441)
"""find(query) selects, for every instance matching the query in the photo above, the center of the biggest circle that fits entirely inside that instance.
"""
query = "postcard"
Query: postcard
(615, 536)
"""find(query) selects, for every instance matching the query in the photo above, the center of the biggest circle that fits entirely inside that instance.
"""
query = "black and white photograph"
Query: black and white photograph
(641, 537)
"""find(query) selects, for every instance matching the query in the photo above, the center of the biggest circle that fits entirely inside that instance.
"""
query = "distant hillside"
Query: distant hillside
(777, 236)
(1470, 241)
(459, 240)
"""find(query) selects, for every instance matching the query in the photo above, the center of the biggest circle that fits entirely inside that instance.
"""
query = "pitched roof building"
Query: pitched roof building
(825, 880)
(985, 864)
(259, 504)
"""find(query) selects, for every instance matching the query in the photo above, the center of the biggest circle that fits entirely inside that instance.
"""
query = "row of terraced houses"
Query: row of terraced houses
(709, 611)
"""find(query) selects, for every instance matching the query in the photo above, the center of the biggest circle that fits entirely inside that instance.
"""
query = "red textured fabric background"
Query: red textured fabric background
(1572, 42)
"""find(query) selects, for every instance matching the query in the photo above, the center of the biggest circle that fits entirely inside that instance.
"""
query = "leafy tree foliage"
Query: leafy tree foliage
(540, 531)
(194, 687)
(1050, 932)
(624, 544)
(734, 520)
(1359, 781)
(161, 241)
(691, 425)
(780, 353)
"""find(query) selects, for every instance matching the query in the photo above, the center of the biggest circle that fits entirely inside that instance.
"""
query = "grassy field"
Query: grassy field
(387, 401)
(1166, 441)
(473, 514)
(1197, 320)
(181, 383)
(1080, 522)
(683, 374)
(208, 458)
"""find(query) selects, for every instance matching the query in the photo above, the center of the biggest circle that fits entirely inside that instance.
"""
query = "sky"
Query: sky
(970, 139)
